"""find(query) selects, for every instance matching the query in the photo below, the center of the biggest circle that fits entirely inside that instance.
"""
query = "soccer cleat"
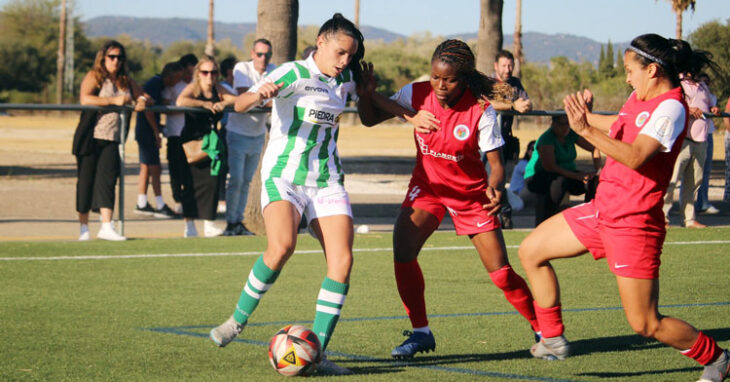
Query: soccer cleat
(327, 367)
(109, 234)
(417, 342)
(551, 349)
(165, 213)
(147, 210)
(718, 370)
(226, 332)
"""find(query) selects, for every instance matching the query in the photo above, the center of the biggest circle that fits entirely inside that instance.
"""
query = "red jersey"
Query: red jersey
(449, 159)
(629, 198)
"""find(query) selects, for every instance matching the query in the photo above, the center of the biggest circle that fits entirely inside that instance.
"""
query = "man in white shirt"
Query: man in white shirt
(245, 138)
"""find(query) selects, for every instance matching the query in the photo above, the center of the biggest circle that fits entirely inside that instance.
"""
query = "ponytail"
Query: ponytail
(339, 24)
(674, 57)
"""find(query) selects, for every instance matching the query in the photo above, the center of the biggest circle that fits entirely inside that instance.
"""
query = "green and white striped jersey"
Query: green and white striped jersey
(305, 122)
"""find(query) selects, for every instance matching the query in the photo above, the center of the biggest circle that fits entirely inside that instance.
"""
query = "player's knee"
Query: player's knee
(341, 265)
(644, 326)
(279, 252)
(528, 251)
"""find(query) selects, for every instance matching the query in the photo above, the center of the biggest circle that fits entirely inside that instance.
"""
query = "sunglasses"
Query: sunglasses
(115, 56)
(209, 72)
(261, 54)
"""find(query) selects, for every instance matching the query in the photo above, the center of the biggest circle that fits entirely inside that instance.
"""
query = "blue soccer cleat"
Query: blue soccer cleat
(416, 343)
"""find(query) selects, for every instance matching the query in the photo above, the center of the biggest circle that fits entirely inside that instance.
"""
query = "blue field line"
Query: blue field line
(182, 330)
(187, 331)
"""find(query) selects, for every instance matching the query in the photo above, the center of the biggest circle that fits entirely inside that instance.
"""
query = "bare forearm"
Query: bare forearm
(246, 101)
(600, 121)
(620, 151)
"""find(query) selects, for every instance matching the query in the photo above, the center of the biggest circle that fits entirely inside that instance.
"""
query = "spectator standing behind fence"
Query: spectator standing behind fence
(200, 184)
(148, 136)
(689, 166)
(702, 204)
(519, 196)
(98, 161)
(246, 132)
(226, 75)
(174, 124)
(552, 172)
(504, 63)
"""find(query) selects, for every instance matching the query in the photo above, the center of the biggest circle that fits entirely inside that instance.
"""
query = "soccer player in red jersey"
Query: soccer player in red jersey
(625, 223)
(453, 123)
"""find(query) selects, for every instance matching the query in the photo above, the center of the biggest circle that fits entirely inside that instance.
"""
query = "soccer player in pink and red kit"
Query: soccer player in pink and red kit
(453, 123)
(625, 223)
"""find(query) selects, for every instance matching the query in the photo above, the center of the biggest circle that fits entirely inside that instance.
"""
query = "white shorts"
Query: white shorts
(314, 202)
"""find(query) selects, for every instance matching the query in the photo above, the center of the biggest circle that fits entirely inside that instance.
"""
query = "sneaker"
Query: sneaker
(226, 332)
(327, 367)
(109, 234)
(711, 210)
(694, 224)
(417, 342)
(551, 349)
(212, 231)
(147, 210)
(718, 370)
(165, 213)
(230, 229)
(84, 236)
(241, 230)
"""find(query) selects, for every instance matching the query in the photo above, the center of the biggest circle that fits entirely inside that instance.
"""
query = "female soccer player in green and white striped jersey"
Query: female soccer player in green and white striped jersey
(301, 174)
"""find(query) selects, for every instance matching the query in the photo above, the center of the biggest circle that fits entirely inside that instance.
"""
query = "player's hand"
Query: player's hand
(218, 107)
(495, 200)
(268, 90)
(367, 85)
(424, 122)
(588, 97)
(576, 109)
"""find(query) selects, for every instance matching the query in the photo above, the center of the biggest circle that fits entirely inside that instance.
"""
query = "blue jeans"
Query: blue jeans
(703, 201)
(243, 158)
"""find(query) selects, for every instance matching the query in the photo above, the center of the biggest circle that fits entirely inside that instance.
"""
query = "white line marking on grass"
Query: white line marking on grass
(255, 253)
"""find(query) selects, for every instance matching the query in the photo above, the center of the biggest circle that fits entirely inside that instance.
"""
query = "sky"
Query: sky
(600, 20)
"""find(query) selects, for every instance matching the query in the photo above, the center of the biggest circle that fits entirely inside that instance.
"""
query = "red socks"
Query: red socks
(704, 351)
(550, 320)
(411, 288)
(517, 293)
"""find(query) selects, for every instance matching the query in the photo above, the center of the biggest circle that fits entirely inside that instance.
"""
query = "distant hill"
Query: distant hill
(538, 47)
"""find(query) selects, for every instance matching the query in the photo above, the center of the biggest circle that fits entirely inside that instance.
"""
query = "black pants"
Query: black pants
(176, 163)
(97, 175)
(199, 191)
(549, 189)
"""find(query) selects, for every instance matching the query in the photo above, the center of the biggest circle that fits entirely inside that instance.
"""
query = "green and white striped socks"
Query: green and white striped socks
(329, 304)
(259, 281)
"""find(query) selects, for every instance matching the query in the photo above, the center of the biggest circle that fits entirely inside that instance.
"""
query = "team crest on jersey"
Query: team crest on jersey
(641, 118)
(663, 126)
(461, 132)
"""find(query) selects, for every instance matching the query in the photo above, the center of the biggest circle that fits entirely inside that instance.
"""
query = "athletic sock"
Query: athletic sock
(84, 228)
(550, 320)
(141, 200)
(411, 287)
(517, 293)
(329, 304)
(159, 203)
(424, 330)
(259, 281)
(704, 350)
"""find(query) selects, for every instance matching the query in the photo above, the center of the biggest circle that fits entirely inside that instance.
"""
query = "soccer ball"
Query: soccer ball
(294, 350)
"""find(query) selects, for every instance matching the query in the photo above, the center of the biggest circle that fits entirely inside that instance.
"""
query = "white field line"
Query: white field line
(217, 254)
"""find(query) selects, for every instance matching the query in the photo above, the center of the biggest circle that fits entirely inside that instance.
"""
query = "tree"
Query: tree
(489, 37)
(678, 7)
(210, 41)
(517, 42)
(714, 37)
(61, 61)
(277, 22)
(605, 62)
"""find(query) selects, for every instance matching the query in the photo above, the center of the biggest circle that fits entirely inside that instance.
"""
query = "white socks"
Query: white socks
(159, 203)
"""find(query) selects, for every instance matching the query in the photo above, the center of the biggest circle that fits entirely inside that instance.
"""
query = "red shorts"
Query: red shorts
(469, 216)
(629, 252)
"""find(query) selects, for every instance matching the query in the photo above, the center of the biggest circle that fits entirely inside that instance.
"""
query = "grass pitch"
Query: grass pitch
(141, 310)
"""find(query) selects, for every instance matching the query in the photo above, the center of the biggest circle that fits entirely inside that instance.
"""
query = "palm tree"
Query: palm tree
(679, 6)
(277, 22)
(517, 43)
(210, 42)
(489, 38)
(61, 60)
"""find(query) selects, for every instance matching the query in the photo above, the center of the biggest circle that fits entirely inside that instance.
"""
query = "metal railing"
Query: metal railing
(126, 111)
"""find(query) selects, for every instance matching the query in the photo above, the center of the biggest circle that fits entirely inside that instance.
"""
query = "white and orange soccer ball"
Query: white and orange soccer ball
(294, 351)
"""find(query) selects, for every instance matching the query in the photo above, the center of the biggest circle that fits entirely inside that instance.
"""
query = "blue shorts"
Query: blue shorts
(149, 154)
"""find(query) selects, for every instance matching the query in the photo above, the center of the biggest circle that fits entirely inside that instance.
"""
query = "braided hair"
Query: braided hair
(458, 54)
(339, 24)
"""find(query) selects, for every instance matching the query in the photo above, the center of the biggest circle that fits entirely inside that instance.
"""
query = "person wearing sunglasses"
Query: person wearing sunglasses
(106, 84)
(200, 178)
(245, 138)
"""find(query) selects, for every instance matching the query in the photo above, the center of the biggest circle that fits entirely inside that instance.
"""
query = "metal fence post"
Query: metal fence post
(122, 140)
